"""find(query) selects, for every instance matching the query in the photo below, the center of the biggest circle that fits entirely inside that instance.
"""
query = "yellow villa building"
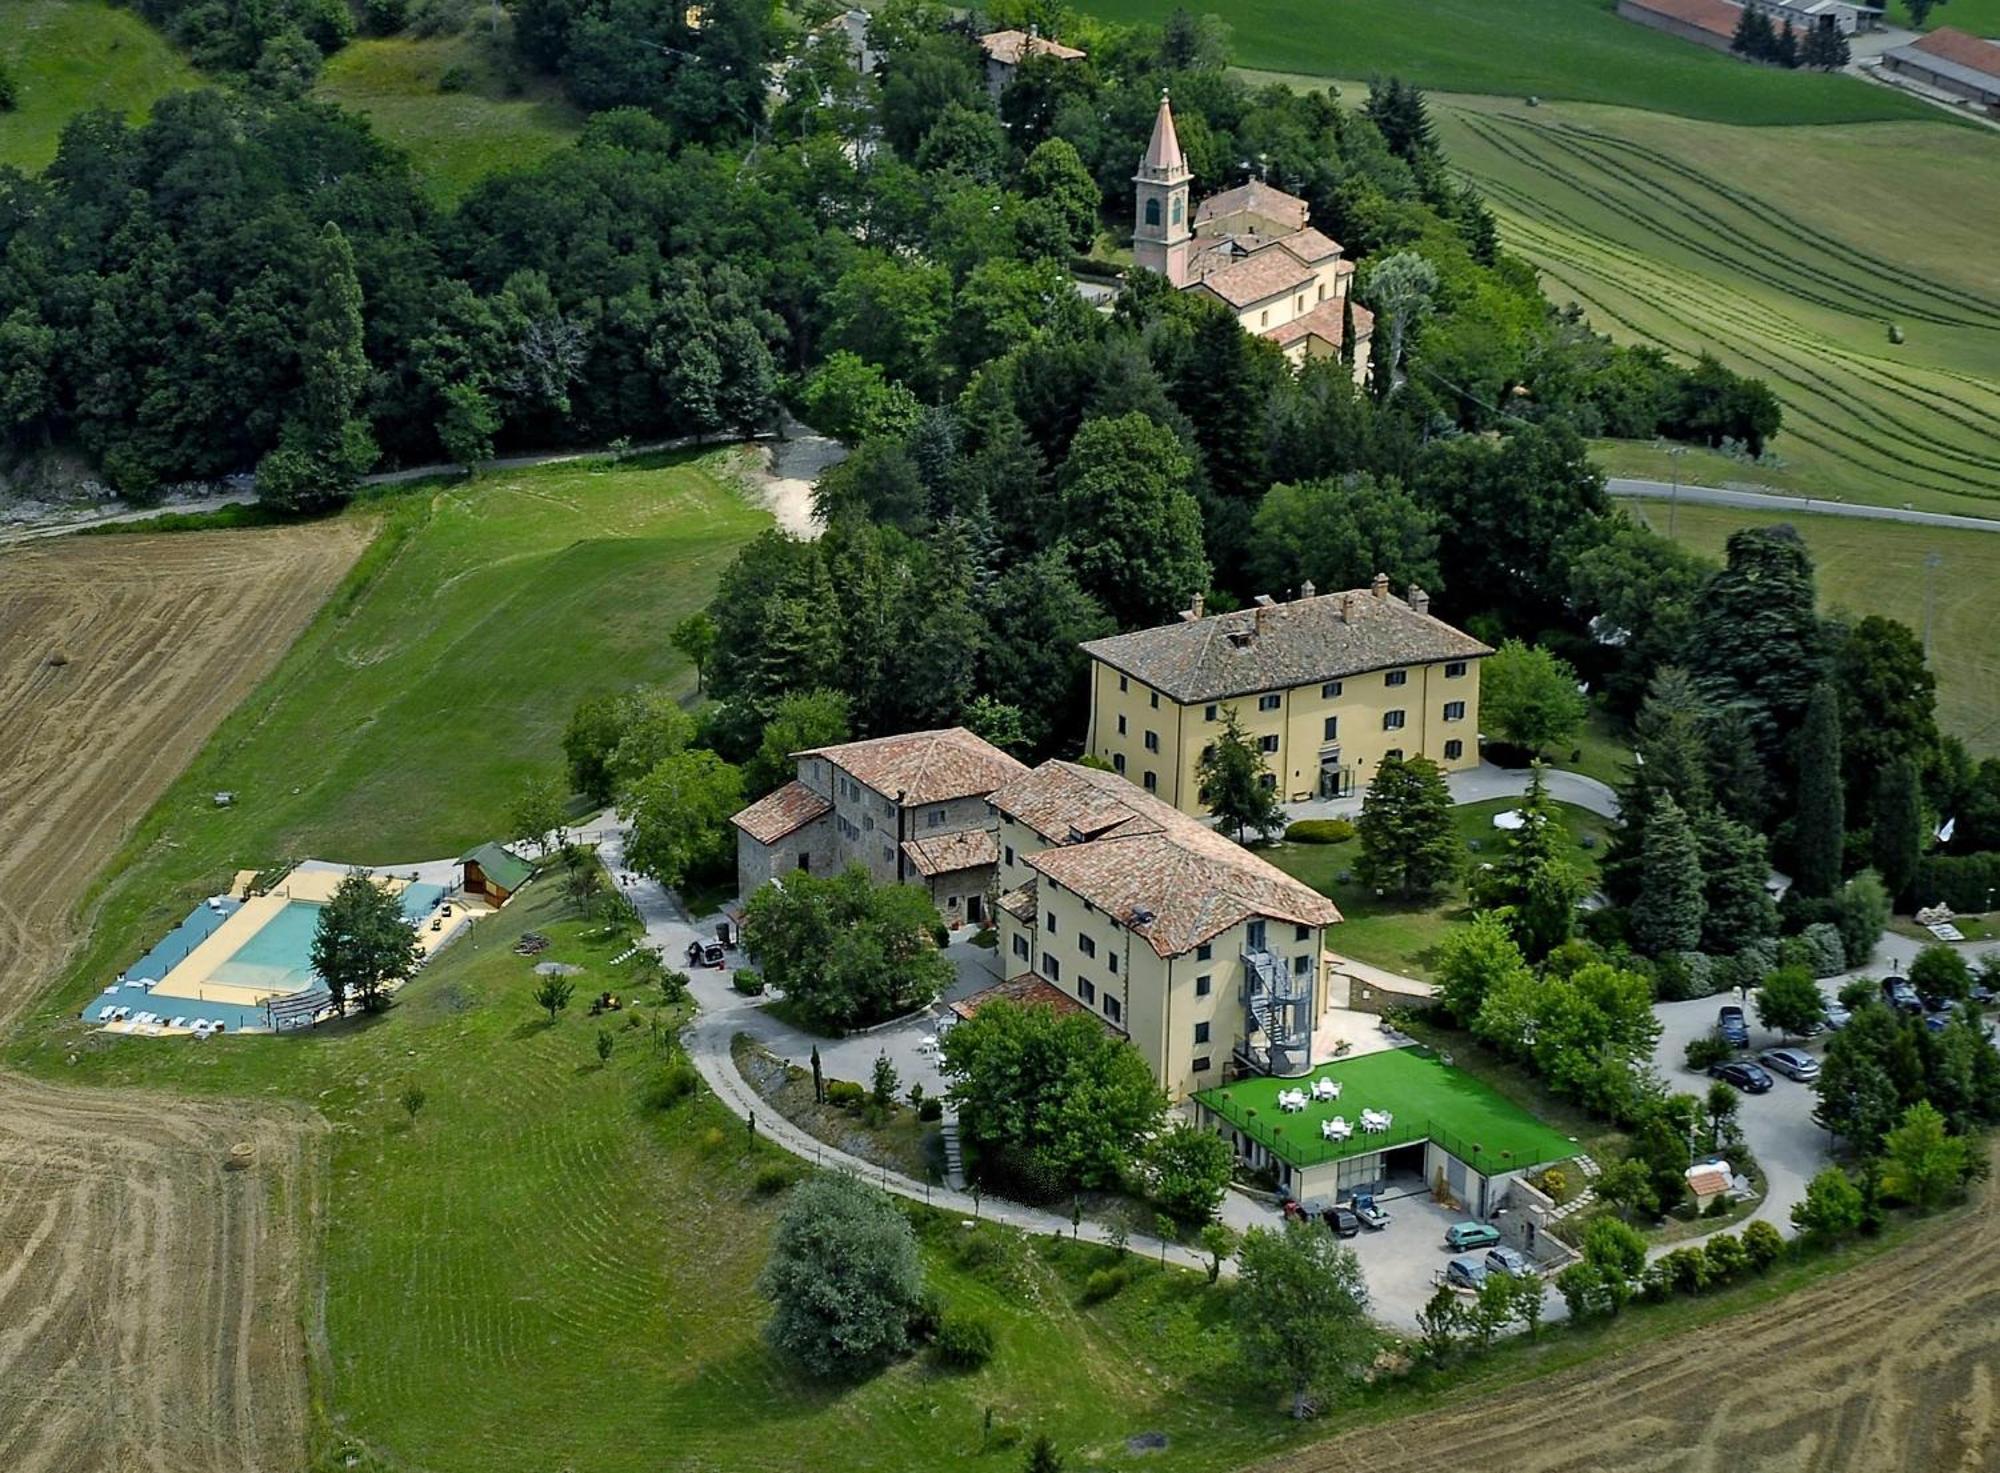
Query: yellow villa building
(1325, 685)
(1208, 959)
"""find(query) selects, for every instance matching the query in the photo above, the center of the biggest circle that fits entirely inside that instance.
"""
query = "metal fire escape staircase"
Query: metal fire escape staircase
(1277, 1026)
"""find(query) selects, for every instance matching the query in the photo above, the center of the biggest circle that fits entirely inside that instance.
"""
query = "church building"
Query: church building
(1253, 249)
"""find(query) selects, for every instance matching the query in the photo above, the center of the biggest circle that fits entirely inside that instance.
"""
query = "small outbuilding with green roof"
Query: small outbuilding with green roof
(495, 872)
(1443, 1126)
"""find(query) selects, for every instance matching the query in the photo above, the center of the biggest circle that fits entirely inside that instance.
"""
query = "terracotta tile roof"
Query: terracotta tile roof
(1027, 989)
(1169, 878)
(946, 853)
(1324, 321)
(1008, 47)
(1308, 640)
(1020, 903)
(784, 812)
(1708, 1179)
(1268, 273)
(1718, 17)
(924, 766)
(1948, 43)
(1256, 197)
(1310, 245)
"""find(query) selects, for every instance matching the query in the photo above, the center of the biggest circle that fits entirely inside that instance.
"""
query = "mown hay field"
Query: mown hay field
(1787, 253)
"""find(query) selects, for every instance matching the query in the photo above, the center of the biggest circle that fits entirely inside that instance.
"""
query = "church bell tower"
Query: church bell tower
(1160, 224)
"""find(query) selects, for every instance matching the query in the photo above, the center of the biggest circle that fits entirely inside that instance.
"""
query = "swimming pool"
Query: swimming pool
(278, 956)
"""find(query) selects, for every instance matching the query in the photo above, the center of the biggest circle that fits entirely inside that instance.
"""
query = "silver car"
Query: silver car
(1510, 1261)
(1790, 1062)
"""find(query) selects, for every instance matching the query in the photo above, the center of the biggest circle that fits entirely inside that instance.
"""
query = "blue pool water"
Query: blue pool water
(277, 957)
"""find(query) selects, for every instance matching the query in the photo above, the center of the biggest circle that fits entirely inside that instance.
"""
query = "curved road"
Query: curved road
(1773, 501)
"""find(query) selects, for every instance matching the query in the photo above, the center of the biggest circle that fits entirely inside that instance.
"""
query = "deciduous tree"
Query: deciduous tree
(362, 942)
(843, 1277)
(1233, 783)
(1301, 1309)
(679, 813)
(1530, 696)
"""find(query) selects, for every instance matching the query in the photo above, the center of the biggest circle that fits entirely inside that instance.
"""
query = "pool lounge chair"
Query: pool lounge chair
(105, 1012)
(180, 1022)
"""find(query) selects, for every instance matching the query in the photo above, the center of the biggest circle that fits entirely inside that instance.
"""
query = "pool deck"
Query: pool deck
(189, 988)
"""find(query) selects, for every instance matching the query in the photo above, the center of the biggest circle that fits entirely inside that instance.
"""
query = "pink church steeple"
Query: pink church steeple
(1160, 226)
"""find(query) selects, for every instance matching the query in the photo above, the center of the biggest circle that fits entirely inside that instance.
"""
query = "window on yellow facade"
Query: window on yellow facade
(1202, 1064)
(1049, 922)
(1453, 669)
(1267, 780)
(1052, 969)
(1086, 945)
(1118, 763)
(1020, 946)
(1201, 1033)
(1392, 721)
(1332, 729)
(1453, 750)
(1270, 703)
(1086, 989)
(1208, 713)
(1263, 319)
(1396, 677)
(1330, 691)
(1454, 710)
(1203, 985)
(1111, 960)
(1155, 697)
(1153, 741)
(1395, 752)
(1122, 683)
(1204, 951)
(1112, 1009)
(1121, 726)
(1151, 782)
(1267, 744)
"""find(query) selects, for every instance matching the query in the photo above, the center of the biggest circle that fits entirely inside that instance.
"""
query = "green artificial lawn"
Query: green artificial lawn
(69, 55)
(1548, 48)
(1868, 567)
(403, 723)
(1426, 1099)
(454, 138)
(1400, 935)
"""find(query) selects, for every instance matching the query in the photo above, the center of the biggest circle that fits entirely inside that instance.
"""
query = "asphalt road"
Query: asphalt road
(1772, 501)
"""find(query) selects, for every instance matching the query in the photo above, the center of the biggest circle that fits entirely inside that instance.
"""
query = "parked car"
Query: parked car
(1467, 1271)
(1899, 994)
(1792, 1063)
(1744, 1075)
(1372, 1216)
(1837, 1017)
(1463, 1235)
(1937, 1022)
(1982, 994)
(1512, 1262)
(1731, 1028)
(1342, 1220)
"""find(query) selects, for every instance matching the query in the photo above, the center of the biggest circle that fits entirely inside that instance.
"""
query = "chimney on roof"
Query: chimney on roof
(1346, 607)
(1265, 601)
(1419, 600)
(1193, 611)
(1306, 589)
(1380, 586)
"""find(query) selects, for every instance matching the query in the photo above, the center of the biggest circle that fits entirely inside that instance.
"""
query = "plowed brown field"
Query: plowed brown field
(150, 1300)
(1891, 1365)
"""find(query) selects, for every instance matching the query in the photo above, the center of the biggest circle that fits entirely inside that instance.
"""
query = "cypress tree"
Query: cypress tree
(1818, 831)
(1667, 915)
(1898, 828)
(1785, 49)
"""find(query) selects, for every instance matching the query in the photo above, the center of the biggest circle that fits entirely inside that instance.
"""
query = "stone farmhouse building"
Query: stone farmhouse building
(1952, 61)
(1209, 960)
(909, 809)
(1252, 248)
(1326, 686)
(1006, 50)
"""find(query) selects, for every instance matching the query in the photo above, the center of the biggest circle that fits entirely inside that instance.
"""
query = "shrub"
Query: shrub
(1747, 968)
(455, 78)
(1686, 974)
(773, 1177)
(1763, 1245)
(1686, 1269)
(1106, 1283)
(931, 1108)
(384, 17)
(1725, 1257)
(1826, 955)
(925, 1316)
(1320, 831)
(1706, 1050)
(964, 1341)
(749, 982)
(712, 1138)
(844, 1094)
(674, 1083)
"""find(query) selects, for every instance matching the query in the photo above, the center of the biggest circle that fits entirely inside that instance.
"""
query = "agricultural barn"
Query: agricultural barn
(1952, 61)
(1710, 23)
(494, 872)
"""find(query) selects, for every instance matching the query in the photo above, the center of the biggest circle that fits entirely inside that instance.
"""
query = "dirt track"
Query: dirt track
(1891, 1366)
(150, 1301)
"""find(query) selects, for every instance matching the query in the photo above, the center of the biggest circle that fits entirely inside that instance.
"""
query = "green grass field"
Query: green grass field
(69, 55)
(1548, 48)
(1423, 1096)
(403, 722)
(1879, 568)
(1786, 252)
(1981, 17)
(454, 139)
(1403, 935)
